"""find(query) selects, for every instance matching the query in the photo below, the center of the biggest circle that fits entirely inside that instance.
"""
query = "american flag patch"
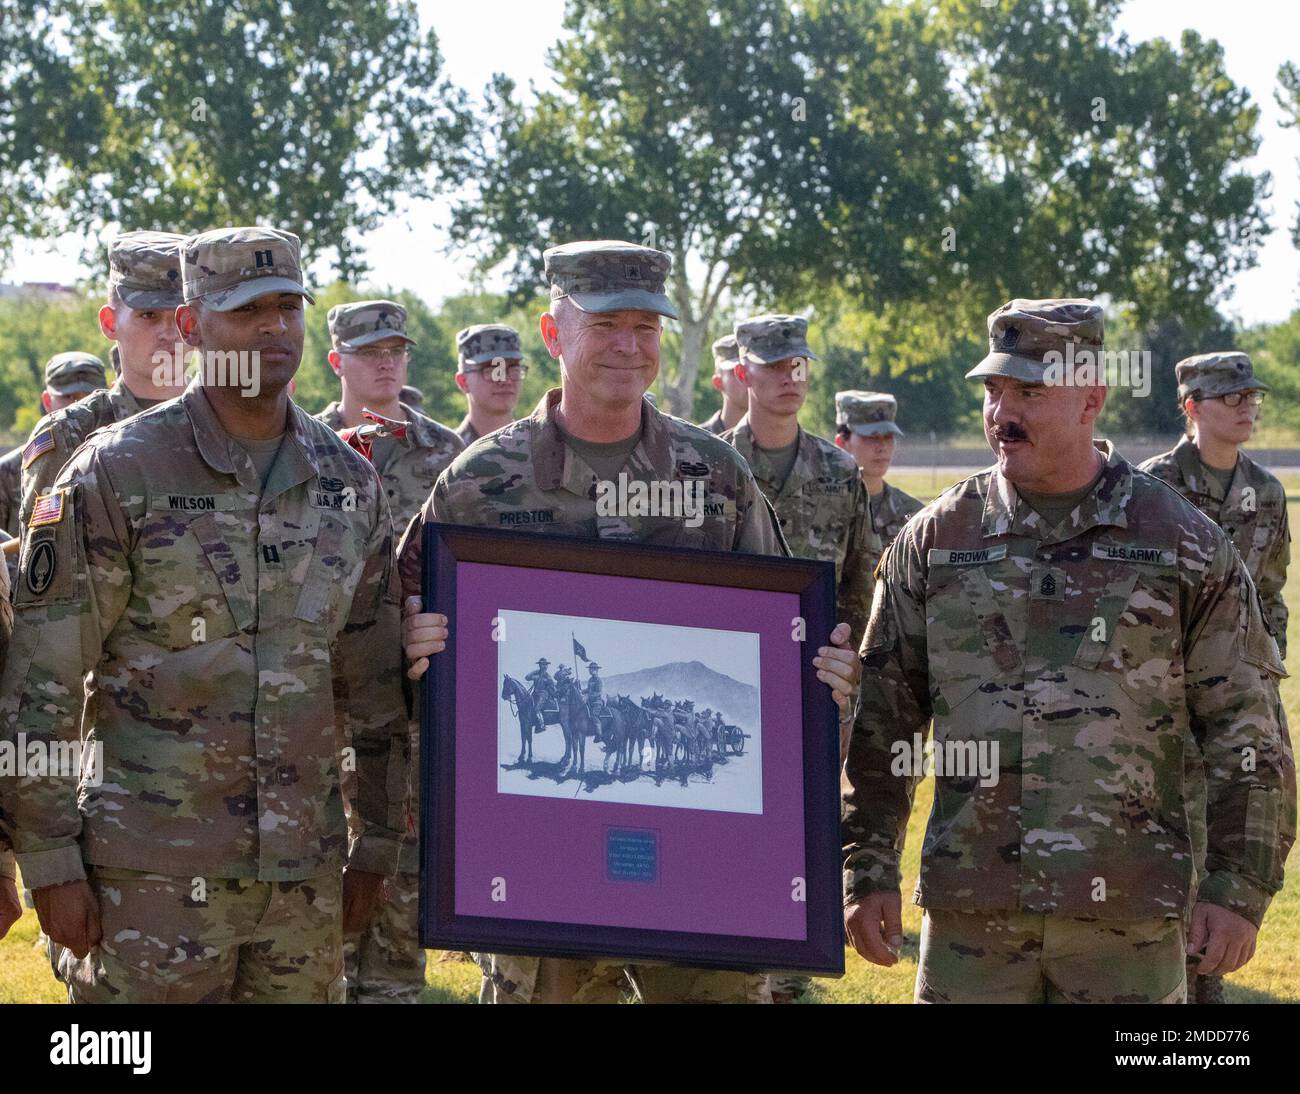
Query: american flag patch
(38, 446)
(49, 508)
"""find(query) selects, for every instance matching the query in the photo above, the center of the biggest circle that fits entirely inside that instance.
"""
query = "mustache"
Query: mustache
(1010, 432)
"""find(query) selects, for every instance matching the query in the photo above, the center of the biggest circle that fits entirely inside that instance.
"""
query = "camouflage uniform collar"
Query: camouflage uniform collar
(1190, 465)
(467, 432)
(884, 504)
(213, 442)
(805, 463)
(122, 395)
(1005, 514)
(554, 463)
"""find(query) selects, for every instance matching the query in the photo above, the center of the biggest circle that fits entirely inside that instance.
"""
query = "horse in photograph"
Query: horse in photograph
(577, 723)
(523, 708)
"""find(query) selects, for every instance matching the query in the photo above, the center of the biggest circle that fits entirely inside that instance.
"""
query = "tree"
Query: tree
(1100, 166)
(313, 115)
(34, 326)
(1288, 98)
(725, 134)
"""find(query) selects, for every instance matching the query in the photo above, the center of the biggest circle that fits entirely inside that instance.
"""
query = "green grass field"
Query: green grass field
(1270, 978)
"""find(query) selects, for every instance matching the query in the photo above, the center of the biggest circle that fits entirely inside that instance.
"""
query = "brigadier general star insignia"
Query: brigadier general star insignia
(38, 446)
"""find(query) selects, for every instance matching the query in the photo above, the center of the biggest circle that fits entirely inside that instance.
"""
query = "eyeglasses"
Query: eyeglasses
(1234, 398)
(374, 354)
(499, 372)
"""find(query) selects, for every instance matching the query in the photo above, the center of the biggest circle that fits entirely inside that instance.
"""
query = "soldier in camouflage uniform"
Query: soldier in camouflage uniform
(541, 474)
(11, 906)
(221, 567)
(1247, 502)
(1086, 620)
(385, 963)
(490, 369)
(56, 397)
(735, 395)
(69, 377)
(144, 288)
(11, 491)
(865, 429)
(820, 501)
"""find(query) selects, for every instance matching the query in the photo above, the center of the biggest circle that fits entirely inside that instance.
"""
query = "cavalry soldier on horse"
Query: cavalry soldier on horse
(595, 693)
(543, 690)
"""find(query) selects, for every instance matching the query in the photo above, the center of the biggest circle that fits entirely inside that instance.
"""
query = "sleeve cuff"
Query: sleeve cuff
(1234, 892)
(8, 867)
(375, 852)
(863, 879)
(57, 866)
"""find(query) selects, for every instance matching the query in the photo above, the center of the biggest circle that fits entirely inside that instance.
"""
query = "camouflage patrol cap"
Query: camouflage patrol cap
(1209, 375)
(604, 275)
(411, 396)
(484, 343)
(365, 321)
(866, 413)
(75, 373)
(144, 269)
(726, 353)
(1023, 332)
(766, 339)
(227, 267)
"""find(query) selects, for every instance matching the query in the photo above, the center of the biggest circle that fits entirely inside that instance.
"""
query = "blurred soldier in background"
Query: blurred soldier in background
(490, 369)
(865, 429)
(384, 962)
(144, 289)
(735, 395)
(1220, 398)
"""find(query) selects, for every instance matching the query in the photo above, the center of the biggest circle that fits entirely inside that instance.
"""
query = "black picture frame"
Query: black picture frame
(821, 952)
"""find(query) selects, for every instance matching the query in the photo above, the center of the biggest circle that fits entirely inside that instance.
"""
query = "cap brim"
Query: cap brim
(80, 387)
(749, 357)
(724, 366)
(239, 295)
(1025, 369)
(1245, 384)
(872, 429)
(372, 336)
(625, 300)
(139, 299)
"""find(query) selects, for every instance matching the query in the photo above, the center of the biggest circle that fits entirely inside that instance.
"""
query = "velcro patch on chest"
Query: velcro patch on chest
(514, 518)
(1133, 552)
(974, 557)
(49, 508)
(199, 503)
(344, 501)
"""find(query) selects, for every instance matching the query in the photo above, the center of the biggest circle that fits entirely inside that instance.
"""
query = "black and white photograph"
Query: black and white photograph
(619, 711)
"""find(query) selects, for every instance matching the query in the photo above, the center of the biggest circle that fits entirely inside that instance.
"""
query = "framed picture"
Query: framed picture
(626, 752)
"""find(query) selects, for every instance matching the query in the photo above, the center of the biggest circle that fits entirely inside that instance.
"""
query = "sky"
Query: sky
(1257, 36)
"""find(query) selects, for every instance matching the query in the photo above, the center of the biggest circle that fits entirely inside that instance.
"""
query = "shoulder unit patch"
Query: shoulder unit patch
(38, 446)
